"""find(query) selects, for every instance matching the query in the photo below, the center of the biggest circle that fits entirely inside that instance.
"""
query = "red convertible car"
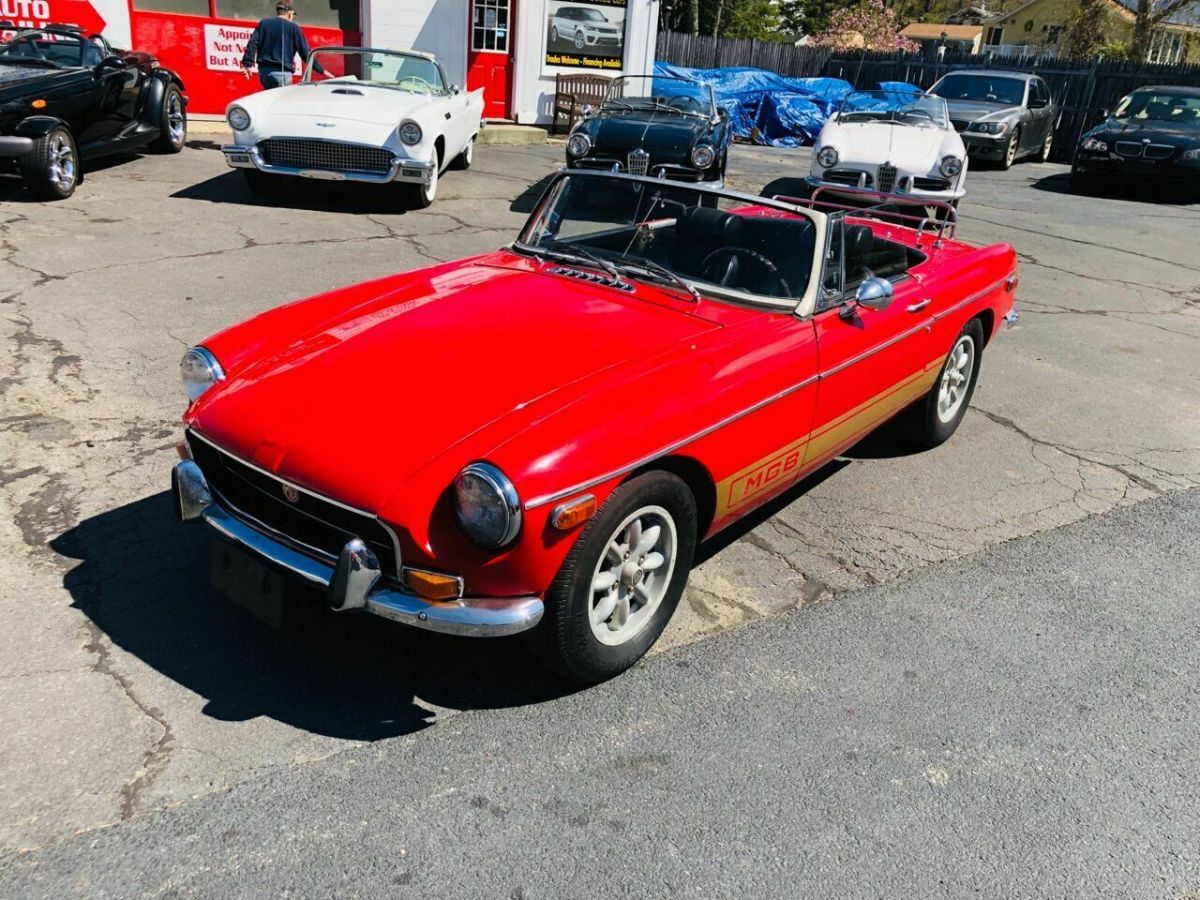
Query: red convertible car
(536, 439)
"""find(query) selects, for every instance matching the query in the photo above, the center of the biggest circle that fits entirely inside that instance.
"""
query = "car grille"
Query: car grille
(930, 184)
(887, 178)
(638, 162)
(331, 156)
(312, 523)
(960, 124)
(1159, 151)
(847, 177)
(1130, 148)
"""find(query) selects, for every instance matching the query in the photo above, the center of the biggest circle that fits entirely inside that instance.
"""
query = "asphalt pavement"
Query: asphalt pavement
(1019, 723)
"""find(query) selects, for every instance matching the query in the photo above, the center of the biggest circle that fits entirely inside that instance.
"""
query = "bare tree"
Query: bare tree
(1148, 15)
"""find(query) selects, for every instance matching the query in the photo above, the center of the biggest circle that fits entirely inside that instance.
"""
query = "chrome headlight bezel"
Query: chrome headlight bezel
(410, 133)
(199, 370)
(950, 166)
(578, 144)
(481, 488)
(1094, 145)
(993, 128)
(703, 156)
(827, 157)
(1192, 155)
(238, 118)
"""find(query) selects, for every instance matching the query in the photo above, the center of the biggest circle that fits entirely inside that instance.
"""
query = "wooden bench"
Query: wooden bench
(573, 92)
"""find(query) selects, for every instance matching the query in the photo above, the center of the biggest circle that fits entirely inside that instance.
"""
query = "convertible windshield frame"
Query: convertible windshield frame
(328, 55)
(895, 107)
(644, 95)
(531, 241)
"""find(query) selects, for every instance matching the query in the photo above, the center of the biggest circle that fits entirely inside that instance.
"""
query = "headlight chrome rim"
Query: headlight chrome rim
(703, 156)
(950, 166)
(992, 128)
(410, 134)
(827, 157)
(199, 370)
(505, 494)
(235, 115)
(1095, 145)
(579, 144)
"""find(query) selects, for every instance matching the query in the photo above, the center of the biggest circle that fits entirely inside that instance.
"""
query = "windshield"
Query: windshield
(380, 68)
(592, 15)
(49, 50)
(898, 107)
(981, 88)
(660, 93)
(1156, 106)
(685, 238)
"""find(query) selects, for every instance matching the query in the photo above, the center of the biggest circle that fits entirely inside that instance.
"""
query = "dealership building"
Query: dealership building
(513, 49)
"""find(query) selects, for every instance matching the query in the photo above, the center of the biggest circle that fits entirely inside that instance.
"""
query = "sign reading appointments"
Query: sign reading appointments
(224, 46)
(586, 34)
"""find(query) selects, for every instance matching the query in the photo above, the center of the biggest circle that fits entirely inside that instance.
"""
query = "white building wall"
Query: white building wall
(440, 27)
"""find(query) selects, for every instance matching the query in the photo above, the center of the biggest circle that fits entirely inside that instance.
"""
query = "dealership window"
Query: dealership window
(315, 13)
(489, 25)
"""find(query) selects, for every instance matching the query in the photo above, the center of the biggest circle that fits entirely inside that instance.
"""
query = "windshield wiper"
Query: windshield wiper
(578, 256)
(651, 268)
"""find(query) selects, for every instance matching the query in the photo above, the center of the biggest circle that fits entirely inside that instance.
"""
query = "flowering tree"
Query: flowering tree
(868, 26)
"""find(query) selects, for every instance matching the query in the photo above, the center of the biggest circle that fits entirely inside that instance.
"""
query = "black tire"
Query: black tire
(923, 424)
(51, 170)
(1047, 146)
(1011, 150)
(463, 161)
(261, 184)
(563, 641)
(171, 139)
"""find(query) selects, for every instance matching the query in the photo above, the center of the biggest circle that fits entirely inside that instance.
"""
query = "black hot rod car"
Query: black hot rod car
(65, 97)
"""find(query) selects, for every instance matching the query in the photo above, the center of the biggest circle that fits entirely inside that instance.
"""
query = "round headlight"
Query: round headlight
(703, 156)
(579, 144)
(410, 133)
(199, 370)
(950, 166)
(827, 157)
(239, 119)
(487, 505)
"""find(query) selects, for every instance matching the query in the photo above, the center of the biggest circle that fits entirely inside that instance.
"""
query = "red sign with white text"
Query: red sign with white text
(40, 13)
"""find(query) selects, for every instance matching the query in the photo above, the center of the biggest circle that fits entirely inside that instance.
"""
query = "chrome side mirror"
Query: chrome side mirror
(454, 89)
(585, 110)
(874, 293)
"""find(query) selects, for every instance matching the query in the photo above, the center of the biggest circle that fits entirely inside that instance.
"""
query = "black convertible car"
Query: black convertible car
(1152, 136)
(657, 125)
(65, 97)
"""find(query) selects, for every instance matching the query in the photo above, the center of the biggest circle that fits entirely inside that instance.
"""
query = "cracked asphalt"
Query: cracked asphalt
(126, 687)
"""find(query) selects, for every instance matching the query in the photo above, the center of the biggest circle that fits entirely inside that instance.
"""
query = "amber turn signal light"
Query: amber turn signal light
(431, 585)
(567, 515)
(38, 104)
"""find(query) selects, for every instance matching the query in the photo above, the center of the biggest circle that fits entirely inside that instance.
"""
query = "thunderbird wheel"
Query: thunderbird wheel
(463, 161)
(938, 414)
(621, 582)
(423, 195)
(51, 169)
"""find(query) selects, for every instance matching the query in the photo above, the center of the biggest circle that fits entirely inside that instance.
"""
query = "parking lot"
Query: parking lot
(126, 685)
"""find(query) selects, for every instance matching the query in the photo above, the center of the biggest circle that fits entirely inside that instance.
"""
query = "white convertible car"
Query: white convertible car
(380, 116)
(894, 143)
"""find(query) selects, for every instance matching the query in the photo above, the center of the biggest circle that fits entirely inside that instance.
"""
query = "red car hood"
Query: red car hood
(355, 405)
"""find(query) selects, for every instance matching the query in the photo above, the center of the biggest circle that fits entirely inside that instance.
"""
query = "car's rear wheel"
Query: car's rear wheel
(1044, 155)
(463, 160)
(1010, 150)
(621, 582)
(174, 119)
(937, 415)
(51, 168)
(261, 184)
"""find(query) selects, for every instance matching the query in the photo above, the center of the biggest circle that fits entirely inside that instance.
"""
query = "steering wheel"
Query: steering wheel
(732, 267)
(419, 83)
(682, 102)
(905, 113)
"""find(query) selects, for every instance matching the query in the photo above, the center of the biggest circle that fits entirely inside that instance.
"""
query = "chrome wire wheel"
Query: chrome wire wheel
(61, 158)
(176, 123)
(956, 378)
(633, 575)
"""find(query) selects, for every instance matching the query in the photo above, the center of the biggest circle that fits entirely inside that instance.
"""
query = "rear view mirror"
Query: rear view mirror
(110, 62)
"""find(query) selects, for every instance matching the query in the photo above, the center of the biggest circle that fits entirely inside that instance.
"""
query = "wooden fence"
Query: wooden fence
(1082, 89)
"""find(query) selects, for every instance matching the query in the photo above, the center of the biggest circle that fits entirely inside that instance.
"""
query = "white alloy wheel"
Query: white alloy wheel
(633, 575)
(956, 377)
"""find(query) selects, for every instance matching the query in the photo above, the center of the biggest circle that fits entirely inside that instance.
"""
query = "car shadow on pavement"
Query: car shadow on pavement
(302, 193)
(143, 580)
(528, 198)
(1117, 189)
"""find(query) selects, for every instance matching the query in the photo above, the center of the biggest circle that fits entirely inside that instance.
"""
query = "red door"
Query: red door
(489, 55)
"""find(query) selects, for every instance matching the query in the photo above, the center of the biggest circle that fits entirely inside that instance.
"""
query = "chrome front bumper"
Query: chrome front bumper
(356, 582)
(410, 171)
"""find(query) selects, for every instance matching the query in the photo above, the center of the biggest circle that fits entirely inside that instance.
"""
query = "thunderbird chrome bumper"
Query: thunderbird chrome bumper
(410, 171)
(356, 581)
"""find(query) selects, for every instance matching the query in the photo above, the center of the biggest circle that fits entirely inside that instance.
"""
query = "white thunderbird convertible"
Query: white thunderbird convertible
(380, 116)
(894, 143)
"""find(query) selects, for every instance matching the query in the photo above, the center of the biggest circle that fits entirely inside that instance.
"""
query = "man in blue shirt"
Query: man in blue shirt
(275, 43)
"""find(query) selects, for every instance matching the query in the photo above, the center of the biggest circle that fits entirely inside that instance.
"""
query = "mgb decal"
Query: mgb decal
(762, 476)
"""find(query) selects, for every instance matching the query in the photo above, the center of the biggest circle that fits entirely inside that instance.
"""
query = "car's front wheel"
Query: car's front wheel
(51, 168)
(937, 416)
(174, 123)
(580, 40)
(422, 195)
(621, 582)
(1010, 150)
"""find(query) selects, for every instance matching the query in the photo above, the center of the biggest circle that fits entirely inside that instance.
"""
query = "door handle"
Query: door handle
(917, 307)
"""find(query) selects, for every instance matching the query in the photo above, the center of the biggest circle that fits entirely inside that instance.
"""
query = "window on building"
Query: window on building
(179, 7)
(1053, 33)
(489, 25)
(316, 13)
(995, 36)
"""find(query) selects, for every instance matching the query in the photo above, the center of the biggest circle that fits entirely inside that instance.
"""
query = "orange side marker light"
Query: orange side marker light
(567, 515)
(432, 585)
(38, 104)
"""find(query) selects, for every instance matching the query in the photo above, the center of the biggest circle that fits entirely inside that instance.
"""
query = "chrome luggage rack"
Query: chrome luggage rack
(939, 228)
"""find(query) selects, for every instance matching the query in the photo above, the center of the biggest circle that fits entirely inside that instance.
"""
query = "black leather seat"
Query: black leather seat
(788, 244)
(698, 231)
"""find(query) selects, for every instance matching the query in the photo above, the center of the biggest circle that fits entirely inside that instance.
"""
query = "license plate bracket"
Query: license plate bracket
(246, 582)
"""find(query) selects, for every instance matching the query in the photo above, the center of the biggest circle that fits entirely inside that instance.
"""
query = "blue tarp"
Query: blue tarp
(766, 107)
(899, 87)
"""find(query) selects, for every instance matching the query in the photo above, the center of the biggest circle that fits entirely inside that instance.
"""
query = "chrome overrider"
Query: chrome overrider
(356, 582)
(410, 171)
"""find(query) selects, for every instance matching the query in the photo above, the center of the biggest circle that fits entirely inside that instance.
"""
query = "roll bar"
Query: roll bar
(836, 202)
